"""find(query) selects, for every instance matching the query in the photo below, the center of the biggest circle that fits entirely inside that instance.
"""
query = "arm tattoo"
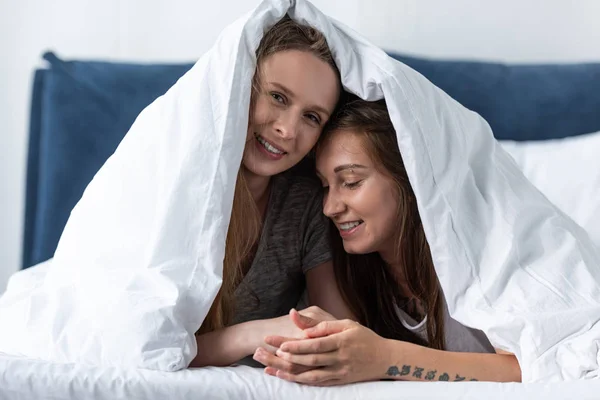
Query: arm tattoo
(431, 374)
(418, 372)
(462, 378)
(394, 371)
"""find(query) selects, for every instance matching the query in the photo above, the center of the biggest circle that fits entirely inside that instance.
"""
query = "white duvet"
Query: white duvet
(24, 379)
(140, 260)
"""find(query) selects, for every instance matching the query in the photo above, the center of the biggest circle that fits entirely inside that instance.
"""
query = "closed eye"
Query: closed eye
(352, 185)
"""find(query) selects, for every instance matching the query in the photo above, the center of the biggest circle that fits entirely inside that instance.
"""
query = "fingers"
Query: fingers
(331, 382)
(309, 360)
(311, 346)
(302, 321)
(277, 341)
(276, 363)
(315, 377)
(326, 328)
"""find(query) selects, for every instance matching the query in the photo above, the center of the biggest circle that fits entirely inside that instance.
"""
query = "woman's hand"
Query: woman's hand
(232, 343)
(299, 321)
(337, 352)
(291, 327)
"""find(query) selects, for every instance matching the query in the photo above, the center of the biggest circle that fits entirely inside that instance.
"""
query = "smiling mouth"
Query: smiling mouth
(268, 146)
(347, 227)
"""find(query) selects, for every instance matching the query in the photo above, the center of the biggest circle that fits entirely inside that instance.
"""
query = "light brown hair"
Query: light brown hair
(245, 223)
(366, 282)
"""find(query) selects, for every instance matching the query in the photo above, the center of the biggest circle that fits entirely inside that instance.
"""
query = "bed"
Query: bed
(26, 379)
(81, 110)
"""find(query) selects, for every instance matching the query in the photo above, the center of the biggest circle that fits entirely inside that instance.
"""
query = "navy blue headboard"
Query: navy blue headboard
(521, 102)
(81, 109)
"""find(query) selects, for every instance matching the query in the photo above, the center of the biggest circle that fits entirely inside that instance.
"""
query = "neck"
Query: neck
(258, 185)
(392, 260)
(390, 257)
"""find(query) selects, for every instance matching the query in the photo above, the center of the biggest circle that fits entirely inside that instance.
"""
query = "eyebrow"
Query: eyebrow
(347, 166)
(291, 94)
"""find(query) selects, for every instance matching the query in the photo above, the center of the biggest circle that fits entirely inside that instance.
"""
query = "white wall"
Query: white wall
(181, 30)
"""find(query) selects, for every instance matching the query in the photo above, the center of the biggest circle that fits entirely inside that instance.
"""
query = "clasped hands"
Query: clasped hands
(323, 351)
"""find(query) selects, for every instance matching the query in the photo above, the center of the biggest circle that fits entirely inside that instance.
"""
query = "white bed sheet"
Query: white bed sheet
(29, 379)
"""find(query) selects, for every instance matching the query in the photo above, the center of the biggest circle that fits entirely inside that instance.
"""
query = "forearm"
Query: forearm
(417, 363)
(226, 346)
(324, 293)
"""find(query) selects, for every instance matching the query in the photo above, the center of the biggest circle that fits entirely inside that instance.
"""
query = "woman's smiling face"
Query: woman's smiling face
(296, 96)
(359, 198)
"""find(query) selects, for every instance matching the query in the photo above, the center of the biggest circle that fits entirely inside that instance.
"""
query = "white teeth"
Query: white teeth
(268, 146)
(349, 225)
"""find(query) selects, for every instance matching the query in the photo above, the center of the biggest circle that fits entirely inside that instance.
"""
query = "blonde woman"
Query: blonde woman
(277, 239)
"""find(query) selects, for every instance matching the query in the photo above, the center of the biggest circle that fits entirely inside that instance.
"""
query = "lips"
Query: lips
(349, 225)
(349, 228)
(268, 151)
(270, 147)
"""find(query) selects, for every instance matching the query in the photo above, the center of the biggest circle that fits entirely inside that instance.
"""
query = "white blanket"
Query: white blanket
(140, 260)
(24, 379)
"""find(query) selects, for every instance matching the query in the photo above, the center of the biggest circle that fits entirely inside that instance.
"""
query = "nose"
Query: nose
(286, 125)
(332, 205)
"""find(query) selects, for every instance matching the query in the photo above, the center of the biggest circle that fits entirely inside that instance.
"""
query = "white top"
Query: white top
(458, 337)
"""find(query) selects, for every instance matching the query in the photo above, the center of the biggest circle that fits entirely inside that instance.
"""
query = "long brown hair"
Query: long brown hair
(366, 282)
(245, 223)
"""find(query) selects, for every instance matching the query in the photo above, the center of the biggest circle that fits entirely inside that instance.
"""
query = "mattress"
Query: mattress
(30, 379)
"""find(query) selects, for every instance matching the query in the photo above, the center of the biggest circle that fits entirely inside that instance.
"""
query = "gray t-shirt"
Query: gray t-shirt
(294, 239)
(458, 337)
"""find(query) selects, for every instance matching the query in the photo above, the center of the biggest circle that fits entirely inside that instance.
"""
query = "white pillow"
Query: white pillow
(567, 171)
